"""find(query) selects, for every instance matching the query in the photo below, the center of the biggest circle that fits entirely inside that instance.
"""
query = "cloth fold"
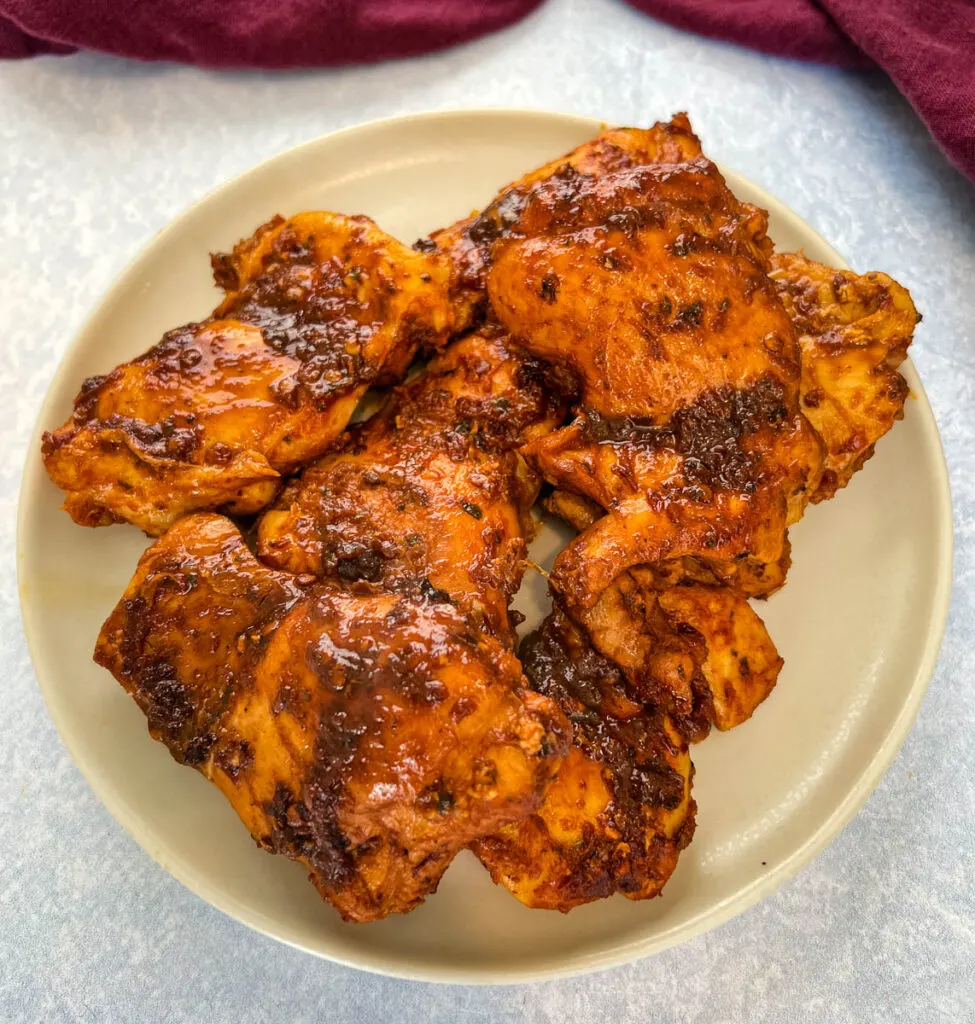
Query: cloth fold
(251, 33)
(926, 46)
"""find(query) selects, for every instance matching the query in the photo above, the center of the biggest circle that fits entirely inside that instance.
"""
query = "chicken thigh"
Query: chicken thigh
(649, 285)
(317, 308)
(368, 734)
(854, 331)
(432, 488)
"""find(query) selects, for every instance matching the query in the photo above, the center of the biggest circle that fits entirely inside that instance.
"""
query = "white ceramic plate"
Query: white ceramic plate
(859, 624)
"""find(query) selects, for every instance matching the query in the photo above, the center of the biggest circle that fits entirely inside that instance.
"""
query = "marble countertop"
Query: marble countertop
(97, 154)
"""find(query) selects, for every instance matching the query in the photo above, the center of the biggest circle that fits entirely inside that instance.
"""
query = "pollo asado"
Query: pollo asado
(650, 285)
(432, 488)
(317, 309)
(346, 669)
(368, 734)
(723, 386)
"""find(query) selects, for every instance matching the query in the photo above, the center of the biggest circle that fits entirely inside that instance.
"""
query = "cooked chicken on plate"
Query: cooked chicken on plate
(854, 331)
(650, 285)
(620, 810)
(216, 416)
(347, 671)
(369, 735)
(432, 487)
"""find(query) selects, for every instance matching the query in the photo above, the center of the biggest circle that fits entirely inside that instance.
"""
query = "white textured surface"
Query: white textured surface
(96, 155)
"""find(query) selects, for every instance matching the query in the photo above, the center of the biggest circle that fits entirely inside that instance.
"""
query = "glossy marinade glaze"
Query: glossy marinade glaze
(432, 489)
(317, 309)
(353, 689)
(368, 734)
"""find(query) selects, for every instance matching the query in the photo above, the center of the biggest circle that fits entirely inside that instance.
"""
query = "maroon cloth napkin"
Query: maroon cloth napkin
(270, 34)
(926, 46)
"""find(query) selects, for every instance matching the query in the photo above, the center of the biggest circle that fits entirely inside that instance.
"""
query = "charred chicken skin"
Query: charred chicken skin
(317, 308)
(620, 809)
(469, 242)
(650, 285)
(431, 490)
(368, 734)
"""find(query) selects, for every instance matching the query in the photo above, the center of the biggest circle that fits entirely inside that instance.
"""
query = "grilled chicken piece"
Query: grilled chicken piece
(854, 331)
(317, 308)
(620, 809)
(670, 663)
(698, 652)
(431, 490)
(468, 243)
(649, 284)
(369, 735)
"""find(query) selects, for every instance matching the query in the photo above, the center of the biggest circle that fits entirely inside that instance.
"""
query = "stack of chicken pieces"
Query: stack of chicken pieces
(615, 326)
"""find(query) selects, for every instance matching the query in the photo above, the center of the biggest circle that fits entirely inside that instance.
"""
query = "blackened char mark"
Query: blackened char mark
(708, 433)
(560, 663)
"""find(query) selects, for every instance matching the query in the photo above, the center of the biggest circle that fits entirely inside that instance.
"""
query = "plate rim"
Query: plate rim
(32, 478)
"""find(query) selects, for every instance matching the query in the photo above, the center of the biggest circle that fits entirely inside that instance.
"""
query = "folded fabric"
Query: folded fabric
(785, 28)
(926, 46)
(250, 33)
